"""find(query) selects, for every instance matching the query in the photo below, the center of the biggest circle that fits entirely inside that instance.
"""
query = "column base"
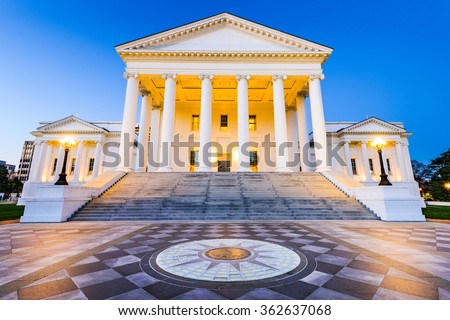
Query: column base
(204, 169)
(284, 169)
(244, 169)
(322, 169)
(140, 170)
(124, 169)
(164, 169)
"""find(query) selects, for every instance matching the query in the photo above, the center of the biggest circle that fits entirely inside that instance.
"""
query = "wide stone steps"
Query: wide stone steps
(223, 196)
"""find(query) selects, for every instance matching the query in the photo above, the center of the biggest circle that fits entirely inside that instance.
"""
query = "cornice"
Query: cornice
(232, 55)
(340, 134)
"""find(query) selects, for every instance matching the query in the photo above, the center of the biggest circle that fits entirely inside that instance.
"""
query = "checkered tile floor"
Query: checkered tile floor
(12, 241)
(342, 272)
(431, 238)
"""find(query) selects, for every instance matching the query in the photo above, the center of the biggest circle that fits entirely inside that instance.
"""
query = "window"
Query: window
(371, 166)
(55, 162)
(354, 169)
(254, 161)
(193, 160)
(195, 122)
(252, 122)
(91, 166)
(388, 163)
(223, 122)
(72, 166)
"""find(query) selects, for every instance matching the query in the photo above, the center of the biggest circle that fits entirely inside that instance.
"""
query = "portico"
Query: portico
(228, 82)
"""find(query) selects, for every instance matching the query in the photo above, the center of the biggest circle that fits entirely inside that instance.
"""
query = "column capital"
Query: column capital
(128, 75)
(98, 142)
(204, 76)
(240, 77)
(169, 75)
(145, 92)
(346, 142)
(313, 77)
(276, 77)
(399, 142)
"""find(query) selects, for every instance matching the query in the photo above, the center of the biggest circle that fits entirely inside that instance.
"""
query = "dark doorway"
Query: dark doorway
(223, 165)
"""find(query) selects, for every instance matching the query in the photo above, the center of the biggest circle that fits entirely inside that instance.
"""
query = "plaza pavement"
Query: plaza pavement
(102, 260)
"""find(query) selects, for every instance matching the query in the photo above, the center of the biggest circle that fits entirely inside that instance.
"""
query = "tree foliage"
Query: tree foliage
(441, 177)
(422, 174)
(8, 185)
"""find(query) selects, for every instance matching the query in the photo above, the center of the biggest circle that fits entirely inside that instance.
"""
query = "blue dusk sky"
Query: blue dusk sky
(391, 59)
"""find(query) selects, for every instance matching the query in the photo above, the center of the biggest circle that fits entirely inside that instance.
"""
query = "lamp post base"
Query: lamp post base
(384, 180)
(62, 180)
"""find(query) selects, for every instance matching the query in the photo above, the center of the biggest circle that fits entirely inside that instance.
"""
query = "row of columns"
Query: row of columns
(167, 126)
(41, 166)
(365, 159)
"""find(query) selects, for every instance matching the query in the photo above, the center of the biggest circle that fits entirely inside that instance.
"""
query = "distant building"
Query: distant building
(10, 167)
(23, 172)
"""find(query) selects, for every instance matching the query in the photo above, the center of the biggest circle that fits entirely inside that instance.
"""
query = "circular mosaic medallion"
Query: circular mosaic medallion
(227, 260)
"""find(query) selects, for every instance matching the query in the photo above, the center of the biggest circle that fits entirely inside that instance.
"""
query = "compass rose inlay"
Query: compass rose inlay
(227, 260)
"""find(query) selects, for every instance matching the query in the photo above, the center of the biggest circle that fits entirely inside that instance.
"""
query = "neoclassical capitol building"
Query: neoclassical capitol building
(222, 99)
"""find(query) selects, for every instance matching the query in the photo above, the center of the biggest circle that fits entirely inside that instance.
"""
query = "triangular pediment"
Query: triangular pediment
(225, 39)
(70, 124)
(373, 125)
(223, 33)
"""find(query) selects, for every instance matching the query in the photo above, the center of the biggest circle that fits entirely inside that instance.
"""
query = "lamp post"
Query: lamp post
(66, 143)
(379, 144)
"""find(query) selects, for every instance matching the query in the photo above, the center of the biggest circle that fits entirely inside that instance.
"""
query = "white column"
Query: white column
(144, 126)
(280, 126)
(59, 163)
(348, 159)
(292, 131)
(401, 160)
(97, 159)
(243, 132)
(128, 123)
(408, 165)
(318, 122)
(366, 162)
(154, 137)
(168, 123)
(35, 160)
(41, 161)
(205, 120)
(386, 169)
(77, 175)
(48, 164)
(303, 136)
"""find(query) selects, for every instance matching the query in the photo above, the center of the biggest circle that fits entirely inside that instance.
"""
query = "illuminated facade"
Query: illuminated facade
(230, 95)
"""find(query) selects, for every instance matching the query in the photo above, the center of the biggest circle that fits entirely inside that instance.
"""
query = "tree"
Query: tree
(4, 181)
(422, 174)
(7, 185)
(440, 182)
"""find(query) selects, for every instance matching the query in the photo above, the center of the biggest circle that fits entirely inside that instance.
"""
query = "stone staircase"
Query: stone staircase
(223, 196)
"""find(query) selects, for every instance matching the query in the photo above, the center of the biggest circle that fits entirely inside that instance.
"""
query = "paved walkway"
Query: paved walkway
(110, 260)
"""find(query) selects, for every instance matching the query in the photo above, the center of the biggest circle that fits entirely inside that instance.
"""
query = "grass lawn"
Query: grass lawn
(437, 212)
(10, 211)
